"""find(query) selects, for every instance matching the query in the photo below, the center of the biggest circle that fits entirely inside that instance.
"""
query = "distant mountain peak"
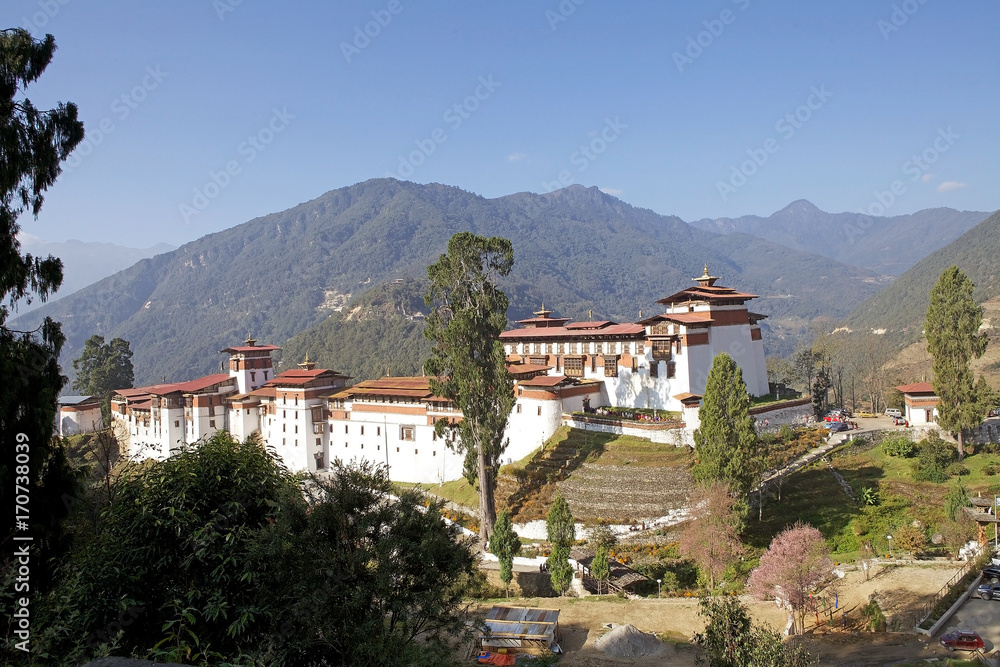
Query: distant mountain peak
(799, 207)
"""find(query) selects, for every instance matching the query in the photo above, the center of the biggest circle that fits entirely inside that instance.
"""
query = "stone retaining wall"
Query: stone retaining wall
(668, 433)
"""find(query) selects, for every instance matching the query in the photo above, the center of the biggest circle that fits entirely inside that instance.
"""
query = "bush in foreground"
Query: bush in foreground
(216, 555)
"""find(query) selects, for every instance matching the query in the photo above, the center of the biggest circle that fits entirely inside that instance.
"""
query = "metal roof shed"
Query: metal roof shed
(521, 630)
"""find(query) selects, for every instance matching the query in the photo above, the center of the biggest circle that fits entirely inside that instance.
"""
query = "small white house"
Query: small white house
(921, 403)
(79, 414)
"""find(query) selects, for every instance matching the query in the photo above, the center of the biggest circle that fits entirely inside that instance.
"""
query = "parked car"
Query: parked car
(991, 573)
(899, 421)
(837, 427)
(893, 412)
(989, 591)
(866, 414)
(964, 640)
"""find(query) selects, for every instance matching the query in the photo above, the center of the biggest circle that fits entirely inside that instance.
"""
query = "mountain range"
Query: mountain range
(295, 276)
(901, 307)
(887, 245)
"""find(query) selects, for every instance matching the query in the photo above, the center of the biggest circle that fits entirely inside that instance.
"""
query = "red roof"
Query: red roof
(188, 387)
(409, 387)
(250, 348)
(687, 397)
(544, 381)
(133, 392)
(589, 325)
(706, 293)
(555, 332)
(520, 369)
(917, 388)
(297, 376)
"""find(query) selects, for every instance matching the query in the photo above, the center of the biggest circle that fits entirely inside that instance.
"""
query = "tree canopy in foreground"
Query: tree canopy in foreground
(33, 144)
(218, 555)
(731, 639)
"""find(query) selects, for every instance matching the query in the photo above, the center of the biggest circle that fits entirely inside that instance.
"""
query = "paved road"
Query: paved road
(982, 616)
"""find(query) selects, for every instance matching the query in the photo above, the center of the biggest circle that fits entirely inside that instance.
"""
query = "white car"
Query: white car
(893, 412)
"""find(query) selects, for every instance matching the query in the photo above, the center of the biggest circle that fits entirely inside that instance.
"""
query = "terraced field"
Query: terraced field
(603, 476)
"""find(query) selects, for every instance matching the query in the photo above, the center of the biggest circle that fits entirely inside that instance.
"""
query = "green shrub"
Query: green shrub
(991, 468)
(957, 469)
(899, 446)
(933, 457)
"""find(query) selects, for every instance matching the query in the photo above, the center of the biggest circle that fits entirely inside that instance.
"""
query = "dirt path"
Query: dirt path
(901, 590)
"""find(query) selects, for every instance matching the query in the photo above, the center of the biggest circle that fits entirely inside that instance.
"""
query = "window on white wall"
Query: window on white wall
(406, 433)
(539, 411)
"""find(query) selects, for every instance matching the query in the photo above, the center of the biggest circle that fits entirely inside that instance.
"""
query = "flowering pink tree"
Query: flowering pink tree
(796, 562)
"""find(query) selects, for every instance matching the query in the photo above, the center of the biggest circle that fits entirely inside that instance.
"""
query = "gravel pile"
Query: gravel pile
(627, 641)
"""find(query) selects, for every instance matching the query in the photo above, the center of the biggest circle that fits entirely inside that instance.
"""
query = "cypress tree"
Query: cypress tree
(726, 441)
(954, 340)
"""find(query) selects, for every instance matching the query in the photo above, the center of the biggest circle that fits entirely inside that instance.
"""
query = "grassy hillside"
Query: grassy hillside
(902, 306)
(576, 249)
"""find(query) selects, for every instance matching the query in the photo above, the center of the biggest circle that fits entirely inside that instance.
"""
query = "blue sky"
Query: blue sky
(215, 112)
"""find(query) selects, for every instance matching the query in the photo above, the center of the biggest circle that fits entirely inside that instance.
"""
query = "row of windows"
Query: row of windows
(592, 347)
(518, 409)
(378, 448)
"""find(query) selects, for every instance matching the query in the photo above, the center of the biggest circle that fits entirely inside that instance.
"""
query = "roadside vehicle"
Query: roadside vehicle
(991, 573)
(893, 412)
(837, 427)
(899, 421)
(989, 591)
(963, 640)
(866, 414)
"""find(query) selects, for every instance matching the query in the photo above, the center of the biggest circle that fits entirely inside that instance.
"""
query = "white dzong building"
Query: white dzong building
(659, 362)
(310, 416)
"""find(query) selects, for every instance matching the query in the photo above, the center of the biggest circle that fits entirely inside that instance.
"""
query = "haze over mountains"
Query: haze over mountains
(577, 249)
(901, 307)
(888, 245)
(85, 263)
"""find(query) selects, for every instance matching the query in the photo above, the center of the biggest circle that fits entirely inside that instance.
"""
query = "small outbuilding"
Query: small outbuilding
(511, 630)
(79, 414)
(921, 403)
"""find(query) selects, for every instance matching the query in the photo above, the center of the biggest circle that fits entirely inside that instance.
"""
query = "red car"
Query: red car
(964, 640)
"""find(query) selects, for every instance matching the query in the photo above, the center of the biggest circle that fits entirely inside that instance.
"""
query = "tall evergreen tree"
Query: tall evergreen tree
(467, 363)
(102, 368)
(954, 340)
(726, 441)
(504, 544)
(561, 531)
(33, 143)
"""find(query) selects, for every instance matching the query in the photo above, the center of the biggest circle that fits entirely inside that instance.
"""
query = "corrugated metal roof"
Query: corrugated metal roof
(513, 624)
